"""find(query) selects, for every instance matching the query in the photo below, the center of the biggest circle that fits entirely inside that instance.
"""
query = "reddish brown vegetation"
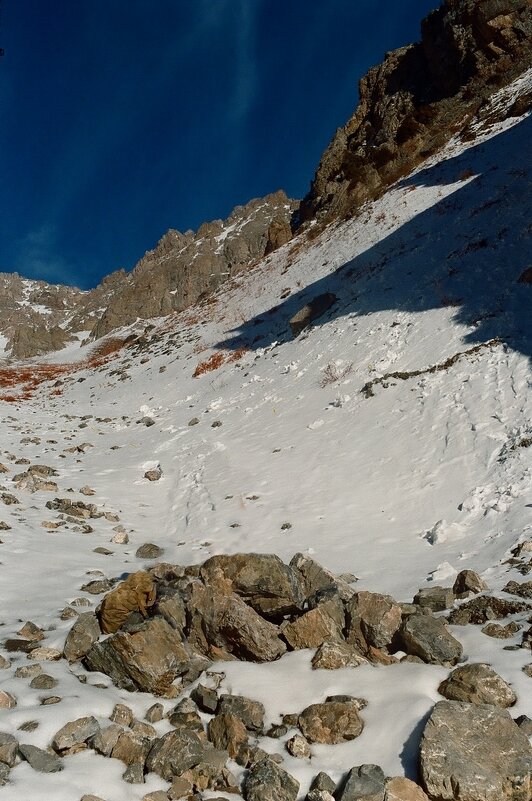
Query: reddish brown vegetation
(27, 378)
(217, 359)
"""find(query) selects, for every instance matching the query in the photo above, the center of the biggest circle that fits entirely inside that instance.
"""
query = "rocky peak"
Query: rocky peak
(183, 268)
(422, 94)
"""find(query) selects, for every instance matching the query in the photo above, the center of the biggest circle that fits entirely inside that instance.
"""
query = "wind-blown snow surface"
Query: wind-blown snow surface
(402, 487)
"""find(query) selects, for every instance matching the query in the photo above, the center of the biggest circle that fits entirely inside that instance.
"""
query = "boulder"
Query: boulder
(266, 781)
(147, 659)
(272, 588)
(485, 608)
(468, 581)
(402, 789)
(478, 684)
(474, 753)
(76, 732)
(316, 577)
(363, 783)
(312, 629)
(435, 598)
(335, 655)
(40, 760)
(82, 636)
(429, 638)
(175, 752)
(331, 722)
(250, 712)
(372, 620)
(312, 310)
(227, 732)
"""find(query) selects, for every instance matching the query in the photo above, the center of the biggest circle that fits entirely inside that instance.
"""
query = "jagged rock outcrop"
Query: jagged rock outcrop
(422, 94)
(184, 268)
(37, 317)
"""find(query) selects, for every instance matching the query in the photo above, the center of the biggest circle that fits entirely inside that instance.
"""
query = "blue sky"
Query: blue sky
(123, 118)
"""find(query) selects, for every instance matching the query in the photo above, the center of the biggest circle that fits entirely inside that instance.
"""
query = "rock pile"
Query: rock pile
(255, 607)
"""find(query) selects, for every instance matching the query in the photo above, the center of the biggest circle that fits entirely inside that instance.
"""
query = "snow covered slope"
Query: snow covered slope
(389, 440)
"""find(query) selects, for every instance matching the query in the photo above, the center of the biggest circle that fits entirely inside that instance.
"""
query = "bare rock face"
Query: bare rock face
(412, 103)
(183, 268)
(147, 659)
(477, 684)
(471, 752)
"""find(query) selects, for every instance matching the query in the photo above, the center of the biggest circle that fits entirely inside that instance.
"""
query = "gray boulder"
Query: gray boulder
(82, 636)
(40, 760)
(175, 752)
(474, 753)
(312, 310)
(331, 722)
(429, 638)
(478, 684)
(266, 781)
(363, 783)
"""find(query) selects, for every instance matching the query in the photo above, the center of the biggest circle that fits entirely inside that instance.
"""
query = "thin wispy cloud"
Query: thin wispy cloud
(245, 58)
(37, 259)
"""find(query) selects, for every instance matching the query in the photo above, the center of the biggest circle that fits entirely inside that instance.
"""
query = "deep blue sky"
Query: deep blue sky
(123, 118)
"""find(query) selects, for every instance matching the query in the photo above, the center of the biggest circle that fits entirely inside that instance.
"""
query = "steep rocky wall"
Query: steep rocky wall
(185, 267)
(422, 94)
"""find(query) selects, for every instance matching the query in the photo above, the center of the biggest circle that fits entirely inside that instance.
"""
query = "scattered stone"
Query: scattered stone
(78, 731)
(146, 421)
(468, 581)
(149, 551)
(28, 671)
(474, 752)
(31, 631)
(429, 638)
(29, 725)
(436, 598)
(523, 589)
(485, 608)
(298, 747)
(153, 475)
(105, 739)
(50, 699)
(131, 748)
(174, 753)
(251, 713)
(40, 760)
(478, 684)
(4, 663)
(332, 722)
(323, 782)
(266, 781)
(134, 773)
(193, 422)
(97, 586)
(316, 578)
(206, 698)
(227, 732)
(527, 670)
(155, 713)
(120, 538)
(501, 632)
(7, 701)
(87, 491)
(335, 655)
(82, 636)
(8, 498)
(4, 526)
(8, 749)
(43, 682)
(363, 782)
(121, 714)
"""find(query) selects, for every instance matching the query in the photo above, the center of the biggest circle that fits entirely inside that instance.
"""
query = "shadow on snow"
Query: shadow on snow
(466, 251)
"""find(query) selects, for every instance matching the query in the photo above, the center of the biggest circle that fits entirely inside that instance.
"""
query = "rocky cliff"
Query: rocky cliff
(422, 94)
(36, 317)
